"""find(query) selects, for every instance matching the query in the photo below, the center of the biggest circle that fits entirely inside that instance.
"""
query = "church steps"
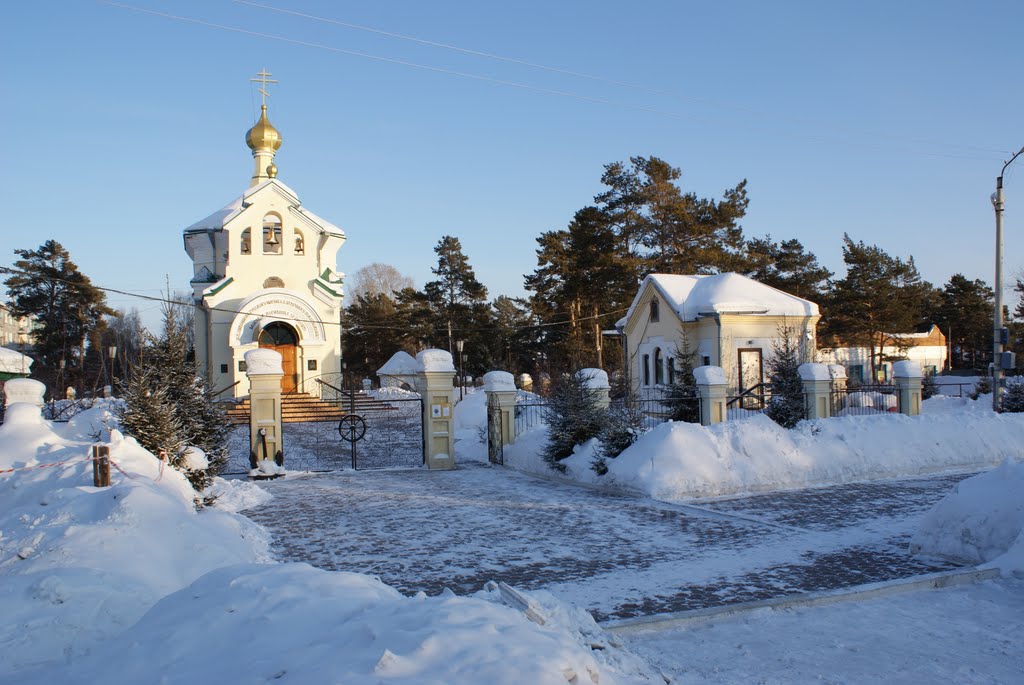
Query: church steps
(300, 407)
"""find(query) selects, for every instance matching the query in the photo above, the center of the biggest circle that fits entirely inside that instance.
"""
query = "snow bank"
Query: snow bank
(80, 564)
(435, 360)
(679, 461)
(982, 520)
(595, 379)
(294, 623)
(495, 381)
(263, 361)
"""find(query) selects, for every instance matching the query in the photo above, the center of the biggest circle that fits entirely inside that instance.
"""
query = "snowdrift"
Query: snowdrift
(982, 520)
(680, 461)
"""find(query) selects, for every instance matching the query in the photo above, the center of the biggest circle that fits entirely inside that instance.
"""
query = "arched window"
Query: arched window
(659, 369)
(646, 368)
(271, 234)
(655, 314)
(671, 363)
(246, 246)
(299, 243)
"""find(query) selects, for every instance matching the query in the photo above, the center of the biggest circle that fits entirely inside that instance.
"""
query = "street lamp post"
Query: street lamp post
(460, 345)
(997, 332)
(22, 335)
(112, 352)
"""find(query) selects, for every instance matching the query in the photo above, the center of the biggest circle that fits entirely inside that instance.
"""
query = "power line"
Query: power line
(559, 93)
(227, 310)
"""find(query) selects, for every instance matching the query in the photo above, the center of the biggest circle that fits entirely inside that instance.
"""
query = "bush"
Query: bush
(573, 415)
(983, 387)
(623, 425)
(682, 398)
(928, 386)
(1013, 398)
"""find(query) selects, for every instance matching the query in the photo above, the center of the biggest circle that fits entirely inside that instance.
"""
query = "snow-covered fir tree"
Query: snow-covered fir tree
(786, 406)
(682, 398)
(982, 387)
(622, 426)
(573, 416)
(929, 388)
(1013, 398)
(168, 370)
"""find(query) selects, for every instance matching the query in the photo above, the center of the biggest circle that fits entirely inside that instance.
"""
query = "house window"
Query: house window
(271, 234)
(223, 368)
(705, 360)
(659, 369)
(646, 369)
(654, 310)
(856, 373)
(671, 363)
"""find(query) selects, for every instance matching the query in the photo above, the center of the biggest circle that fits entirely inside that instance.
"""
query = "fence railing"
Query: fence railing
(865, 400)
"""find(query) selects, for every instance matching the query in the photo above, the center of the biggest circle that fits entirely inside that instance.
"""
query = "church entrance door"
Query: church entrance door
(282, 338)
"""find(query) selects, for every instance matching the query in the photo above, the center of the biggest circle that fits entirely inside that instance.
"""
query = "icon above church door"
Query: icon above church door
(282, 338)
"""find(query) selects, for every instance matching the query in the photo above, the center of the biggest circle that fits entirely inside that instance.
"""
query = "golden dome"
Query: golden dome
(263, 136)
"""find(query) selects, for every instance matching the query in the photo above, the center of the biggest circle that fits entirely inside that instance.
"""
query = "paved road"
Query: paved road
(617, 556)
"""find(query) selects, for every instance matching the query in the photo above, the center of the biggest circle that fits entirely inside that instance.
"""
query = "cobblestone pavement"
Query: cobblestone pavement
(617, 556)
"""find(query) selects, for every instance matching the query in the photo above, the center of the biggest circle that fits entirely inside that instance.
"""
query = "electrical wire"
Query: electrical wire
(545, 91)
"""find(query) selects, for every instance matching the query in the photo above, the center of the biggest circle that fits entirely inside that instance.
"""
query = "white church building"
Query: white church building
(265, 275)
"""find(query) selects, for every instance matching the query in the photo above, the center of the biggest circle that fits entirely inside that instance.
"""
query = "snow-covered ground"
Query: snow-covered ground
(131, 584)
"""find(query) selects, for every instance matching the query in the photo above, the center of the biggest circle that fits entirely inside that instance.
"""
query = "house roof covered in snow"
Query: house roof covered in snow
(730, 293)
(400, 364)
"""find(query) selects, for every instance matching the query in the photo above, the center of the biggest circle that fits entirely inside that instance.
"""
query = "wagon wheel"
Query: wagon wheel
(352, 427)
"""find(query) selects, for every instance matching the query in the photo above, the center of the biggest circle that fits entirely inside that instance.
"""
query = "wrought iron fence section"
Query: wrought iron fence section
(62, 411)
(865, 400)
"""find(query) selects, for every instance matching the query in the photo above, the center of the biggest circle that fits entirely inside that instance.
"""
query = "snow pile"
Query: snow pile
(12, 361)
(814, 372)
(471, 428)
(678, 461)
(401, 364)
(81, 564)
(298, 624)
(595, 379)
(263, 361)
(393, 393)
(435, 361)
(982, 520)
(496, 381)
(709, 375)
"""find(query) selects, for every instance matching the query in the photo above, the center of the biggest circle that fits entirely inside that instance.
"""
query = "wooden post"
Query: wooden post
(101, 466)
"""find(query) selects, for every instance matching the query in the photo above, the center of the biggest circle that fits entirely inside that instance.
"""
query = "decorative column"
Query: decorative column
(817, 380)
(907, 375)
(500, 389)
(435, 384)
(596, 380)
(711, 388)
(266, 450)
(24, 390)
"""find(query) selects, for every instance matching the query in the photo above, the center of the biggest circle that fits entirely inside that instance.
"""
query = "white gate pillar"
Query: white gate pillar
(907, 375)
(711, 388)
(500, 388)
(435, 384)
(817, 380)
(263, 367)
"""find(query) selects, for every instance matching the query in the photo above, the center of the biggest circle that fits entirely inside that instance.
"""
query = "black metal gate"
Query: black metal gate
(390, 436)
(495, 448)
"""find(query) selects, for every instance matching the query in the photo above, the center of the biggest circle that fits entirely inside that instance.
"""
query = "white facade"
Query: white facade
(265, 275)
(928, 349)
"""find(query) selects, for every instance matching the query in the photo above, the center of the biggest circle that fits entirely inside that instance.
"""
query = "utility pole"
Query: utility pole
(997, 333)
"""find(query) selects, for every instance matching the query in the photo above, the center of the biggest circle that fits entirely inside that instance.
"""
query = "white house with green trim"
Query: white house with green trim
(265, 275)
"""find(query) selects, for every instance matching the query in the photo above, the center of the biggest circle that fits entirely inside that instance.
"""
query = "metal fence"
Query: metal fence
(865, 400)
(648, 410)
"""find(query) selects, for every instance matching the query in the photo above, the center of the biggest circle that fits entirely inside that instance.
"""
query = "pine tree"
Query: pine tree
(879, 298)
(982, 387)
(786, 266)
(573, 416)
(964, 308)
(455, 292)
(929, 388)
(1013, 398)
(681, 396)
(148, 416)
(623, 424)
(63, 303)
(786, 406)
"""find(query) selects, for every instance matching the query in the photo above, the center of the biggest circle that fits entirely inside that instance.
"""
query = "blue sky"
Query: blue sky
(888, 121)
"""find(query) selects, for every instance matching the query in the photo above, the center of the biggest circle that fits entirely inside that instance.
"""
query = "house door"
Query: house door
(751, 372)
(281, 338)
